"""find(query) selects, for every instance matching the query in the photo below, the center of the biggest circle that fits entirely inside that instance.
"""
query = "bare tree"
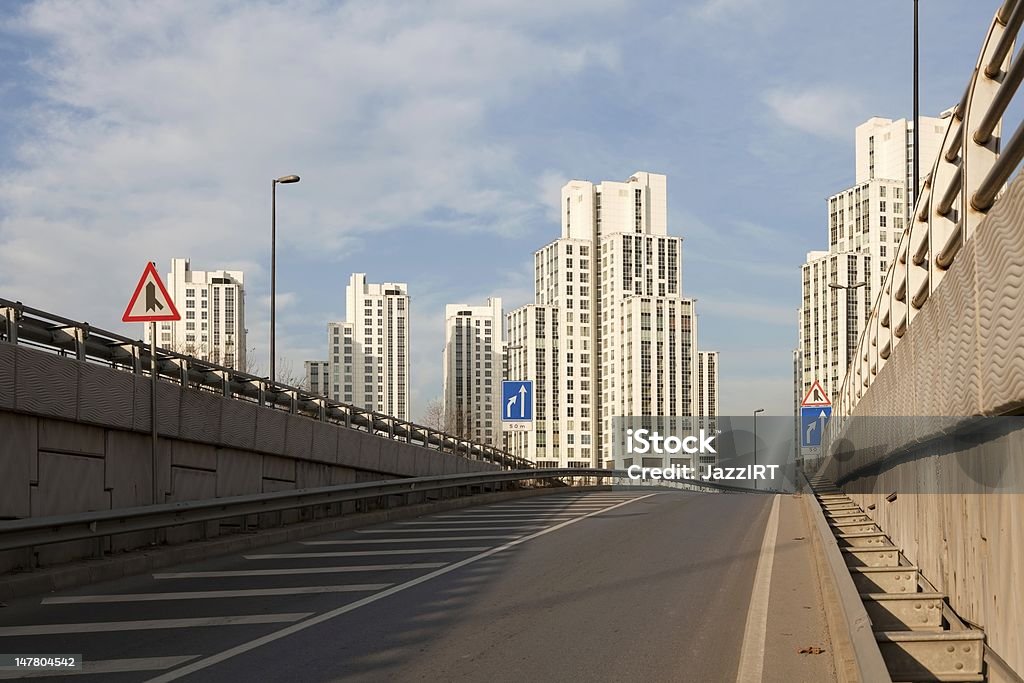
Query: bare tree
(433, 415)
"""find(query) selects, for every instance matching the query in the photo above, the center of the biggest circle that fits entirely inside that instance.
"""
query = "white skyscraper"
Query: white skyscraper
(368, 354)
(610, 333)
(885, 149)
(865, 225)
(707, 386)
(472, 367)
(212, 307)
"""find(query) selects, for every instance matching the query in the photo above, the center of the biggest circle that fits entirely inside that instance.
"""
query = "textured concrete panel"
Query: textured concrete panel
(67, 484)
(106, 396)
(8, 360)
(999, 243)
(434, 464)
(238, 424)
(349, 445)
(299, 436)
(194, 455)
(369, 452)
(168, 408)
(200, 416)
(389, 463)
(282, 469)
(46, 384)
(140, 418)
(129, 469)
(325, 442)
(58, 435)
(271, 431)
(18, 452)
(238, 473)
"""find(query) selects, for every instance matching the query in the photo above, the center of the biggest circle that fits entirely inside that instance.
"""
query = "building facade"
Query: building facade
(865, 225)
(610, 333)
(472, 364)
(212, 307)
(368, 353)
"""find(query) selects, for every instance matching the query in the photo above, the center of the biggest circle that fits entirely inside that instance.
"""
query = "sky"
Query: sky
(433, 139)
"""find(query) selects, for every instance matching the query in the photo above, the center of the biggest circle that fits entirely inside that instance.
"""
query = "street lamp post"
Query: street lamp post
(284, 180)
(759, 410)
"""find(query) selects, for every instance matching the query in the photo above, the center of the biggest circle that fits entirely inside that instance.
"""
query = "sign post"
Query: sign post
(154, 306)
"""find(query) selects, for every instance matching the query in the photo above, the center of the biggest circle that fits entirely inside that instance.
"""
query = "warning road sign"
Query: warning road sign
(816, 396)
(150, 302)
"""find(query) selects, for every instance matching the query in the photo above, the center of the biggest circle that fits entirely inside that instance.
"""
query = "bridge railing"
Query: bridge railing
(23, 325)
(965, 181)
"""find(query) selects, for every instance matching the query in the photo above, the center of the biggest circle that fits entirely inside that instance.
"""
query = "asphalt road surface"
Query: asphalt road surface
(599, 586)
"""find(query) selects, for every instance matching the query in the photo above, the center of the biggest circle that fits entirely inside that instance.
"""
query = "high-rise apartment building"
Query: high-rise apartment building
(885, 149)
(472, 371)
(368, 354)
(318, 377)
(610, 333)
(865, 225)
(707, 388)
(212, 307)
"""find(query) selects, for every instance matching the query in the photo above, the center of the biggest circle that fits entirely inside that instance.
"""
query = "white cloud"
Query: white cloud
(157, 127)
(825, 111)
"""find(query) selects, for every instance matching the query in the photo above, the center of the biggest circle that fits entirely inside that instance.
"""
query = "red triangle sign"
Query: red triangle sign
(816, 396)
(150, 302)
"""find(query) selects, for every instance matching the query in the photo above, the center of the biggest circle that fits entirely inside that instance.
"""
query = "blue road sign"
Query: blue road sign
(812, 422)
(516, 401)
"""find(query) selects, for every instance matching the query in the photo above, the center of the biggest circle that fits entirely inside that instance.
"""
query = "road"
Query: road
(598, 586)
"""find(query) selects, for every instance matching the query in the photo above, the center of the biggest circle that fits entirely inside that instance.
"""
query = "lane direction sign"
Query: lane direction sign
(516, 405)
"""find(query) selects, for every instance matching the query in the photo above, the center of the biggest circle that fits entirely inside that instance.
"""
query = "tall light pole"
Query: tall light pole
(917, 139)
(284, 180)
(759, 410)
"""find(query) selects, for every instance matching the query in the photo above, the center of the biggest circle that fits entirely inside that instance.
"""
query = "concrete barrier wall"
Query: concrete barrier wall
(74, 437)
(962, 356)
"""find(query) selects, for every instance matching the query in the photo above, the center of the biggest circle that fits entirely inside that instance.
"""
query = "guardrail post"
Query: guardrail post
(81, 334)
(11, 315)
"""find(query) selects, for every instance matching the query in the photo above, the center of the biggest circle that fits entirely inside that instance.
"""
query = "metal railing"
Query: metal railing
(20, 324)
(38, 531)
(963, 185)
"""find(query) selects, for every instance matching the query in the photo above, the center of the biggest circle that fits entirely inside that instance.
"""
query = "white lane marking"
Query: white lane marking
(202, 595)
(433, 530)
(148, 625)
(361, 541)
(366, 553)
(207, 662)
(511, 516)
(299, 570)
(428, 522)
(105, 666)
(751, 667)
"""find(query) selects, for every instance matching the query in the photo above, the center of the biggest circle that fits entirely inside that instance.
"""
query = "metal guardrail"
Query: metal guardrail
(20, 324)
(962, 187)
(25, 533)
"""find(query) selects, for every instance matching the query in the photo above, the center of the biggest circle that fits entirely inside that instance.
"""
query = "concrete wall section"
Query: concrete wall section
(75, 437)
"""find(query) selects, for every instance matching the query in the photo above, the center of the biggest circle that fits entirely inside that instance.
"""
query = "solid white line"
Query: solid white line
(300, 570)
(148, 625)
(433, 530)
(751, 668)
(361, 541)
(201, 595)
(511, 516)
(366, 553)
(327, 616)
(464, 521)
(104, 666)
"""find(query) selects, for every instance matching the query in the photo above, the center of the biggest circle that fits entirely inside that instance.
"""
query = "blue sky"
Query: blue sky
(432, 140)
